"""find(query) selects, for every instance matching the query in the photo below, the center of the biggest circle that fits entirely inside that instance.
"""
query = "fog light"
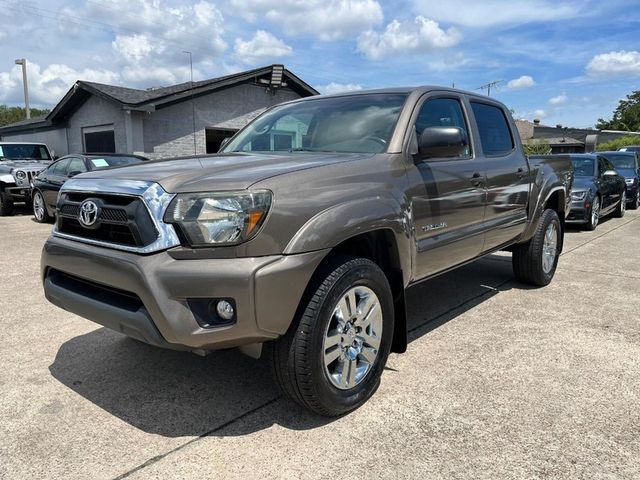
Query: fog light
(225, 310)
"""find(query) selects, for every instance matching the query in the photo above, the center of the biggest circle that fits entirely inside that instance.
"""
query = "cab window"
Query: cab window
(495, 134)
(76, 165)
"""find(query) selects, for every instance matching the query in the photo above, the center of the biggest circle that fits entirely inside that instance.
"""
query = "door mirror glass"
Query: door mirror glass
(443, 142)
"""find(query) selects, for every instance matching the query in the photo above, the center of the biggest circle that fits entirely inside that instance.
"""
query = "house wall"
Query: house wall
(168, 132)
(93, 113)
(55, 139)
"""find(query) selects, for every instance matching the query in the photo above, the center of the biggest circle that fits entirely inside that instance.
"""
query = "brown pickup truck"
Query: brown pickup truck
(301, 236)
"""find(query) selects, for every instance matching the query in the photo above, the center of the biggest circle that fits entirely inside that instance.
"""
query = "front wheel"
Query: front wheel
(6, 205)
(40, 212)
(331, 359)
(535, 262)
(594, 215)
(636, 201)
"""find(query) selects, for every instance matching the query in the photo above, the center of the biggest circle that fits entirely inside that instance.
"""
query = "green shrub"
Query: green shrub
(537, 146)
(619, 143)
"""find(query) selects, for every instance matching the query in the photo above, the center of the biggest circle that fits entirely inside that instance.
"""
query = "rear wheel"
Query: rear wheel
(6, 205)
(40, 212)
(594, 215)
(622, 208)
(535, 262)
(331, 359)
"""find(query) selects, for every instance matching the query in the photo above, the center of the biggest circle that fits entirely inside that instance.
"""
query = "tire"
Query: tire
(301, 363)
(40, 213)
(622, 208)
(636, 202)
(532, 262)
(594, 220)
(6, 206)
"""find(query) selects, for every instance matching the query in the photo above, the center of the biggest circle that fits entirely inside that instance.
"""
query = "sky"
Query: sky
(564, 62)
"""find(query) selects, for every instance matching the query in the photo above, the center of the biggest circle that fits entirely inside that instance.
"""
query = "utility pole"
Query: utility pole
(193, 105)
(23, 62)
(489, 86)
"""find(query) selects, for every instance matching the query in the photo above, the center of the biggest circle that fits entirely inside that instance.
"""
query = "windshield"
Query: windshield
(622, 160)
(353, 124)
(630, 149)
(107, 162)
(584, 167)
(25, 151)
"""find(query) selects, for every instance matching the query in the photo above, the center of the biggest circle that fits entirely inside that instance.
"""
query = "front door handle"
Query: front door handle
(476, 179)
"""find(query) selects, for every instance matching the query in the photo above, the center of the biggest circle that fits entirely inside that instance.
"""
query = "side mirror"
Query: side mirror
(224, 143)
(610, 173)
(55, 157)
(74, 173)
(442, 142)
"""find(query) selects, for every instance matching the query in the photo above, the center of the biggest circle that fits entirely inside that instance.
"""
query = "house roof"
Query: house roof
(154, 98)
(558, 141)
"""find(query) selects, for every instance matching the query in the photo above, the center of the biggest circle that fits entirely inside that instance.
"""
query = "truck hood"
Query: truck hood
(8, 165)
(235, 171)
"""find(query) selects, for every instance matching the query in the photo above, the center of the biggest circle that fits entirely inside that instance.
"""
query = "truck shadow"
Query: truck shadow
(177, 394)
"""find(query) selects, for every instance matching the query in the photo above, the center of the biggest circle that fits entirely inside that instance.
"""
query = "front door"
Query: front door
(448, 204)
(55, 177)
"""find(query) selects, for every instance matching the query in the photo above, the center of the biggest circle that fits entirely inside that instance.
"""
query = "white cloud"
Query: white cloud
(334, 87)
(540, 113)
(262, 46)
(559, 100)
(134, 47)
(525, 81)
(47, 86)
(496, 12)
(615, 63)
(328, 20)
(421, 35)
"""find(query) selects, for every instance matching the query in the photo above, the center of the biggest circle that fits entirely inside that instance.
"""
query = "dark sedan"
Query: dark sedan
(598, 190)
(626, 164)
(45, 186)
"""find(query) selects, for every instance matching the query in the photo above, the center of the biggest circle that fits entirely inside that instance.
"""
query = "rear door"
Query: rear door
(448, 204)
(507, 173)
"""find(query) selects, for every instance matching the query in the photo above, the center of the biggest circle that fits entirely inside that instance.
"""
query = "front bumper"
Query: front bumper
(578, 212)
(632, 191)
(148, 296)
(19, 194)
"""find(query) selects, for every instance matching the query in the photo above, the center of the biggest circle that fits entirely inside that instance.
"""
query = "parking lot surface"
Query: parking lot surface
(499, 381)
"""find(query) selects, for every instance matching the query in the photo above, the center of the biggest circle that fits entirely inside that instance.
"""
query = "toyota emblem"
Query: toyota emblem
(88, 213)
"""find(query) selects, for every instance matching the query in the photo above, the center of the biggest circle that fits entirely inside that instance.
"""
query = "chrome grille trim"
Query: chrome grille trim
(153, 196)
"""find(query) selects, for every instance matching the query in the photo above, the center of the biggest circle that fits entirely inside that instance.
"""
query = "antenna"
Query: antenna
(489, 86)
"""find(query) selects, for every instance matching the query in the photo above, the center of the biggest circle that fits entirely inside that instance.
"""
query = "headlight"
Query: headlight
(20, 175)
(578, 195)
(221, 218)
(630, 181)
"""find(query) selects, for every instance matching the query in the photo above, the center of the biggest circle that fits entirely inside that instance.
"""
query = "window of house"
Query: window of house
(99, 139)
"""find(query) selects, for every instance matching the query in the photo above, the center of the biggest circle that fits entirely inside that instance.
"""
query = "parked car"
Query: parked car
(627, 165)
(305, 232)
(597, 190)
(630, 148)
(46, 185)
(19, 163)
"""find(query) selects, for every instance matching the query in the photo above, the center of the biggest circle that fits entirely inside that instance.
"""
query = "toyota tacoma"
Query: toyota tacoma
(301, 236)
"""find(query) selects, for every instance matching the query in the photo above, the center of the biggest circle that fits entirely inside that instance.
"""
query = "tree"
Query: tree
(619, 143)
(537, 146)
(15, 114)
(625, 117)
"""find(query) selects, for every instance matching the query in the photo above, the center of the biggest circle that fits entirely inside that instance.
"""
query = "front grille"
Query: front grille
(121, 219)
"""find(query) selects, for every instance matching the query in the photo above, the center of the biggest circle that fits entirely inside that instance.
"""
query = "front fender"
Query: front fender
(346, 220)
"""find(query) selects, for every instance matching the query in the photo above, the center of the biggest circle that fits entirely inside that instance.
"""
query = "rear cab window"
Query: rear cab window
(495, 135)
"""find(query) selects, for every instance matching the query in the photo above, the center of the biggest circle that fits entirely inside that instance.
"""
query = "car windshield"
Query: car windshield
(584, 167)
(26, 151)
(634, 148)
(352, 124)
(622, 160)
(107, 162)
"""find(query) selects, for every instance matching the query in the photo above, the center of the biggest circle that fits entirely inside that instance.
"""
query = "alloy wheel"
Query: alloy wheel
(353, 337)
(550, 248)
(38, 206)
